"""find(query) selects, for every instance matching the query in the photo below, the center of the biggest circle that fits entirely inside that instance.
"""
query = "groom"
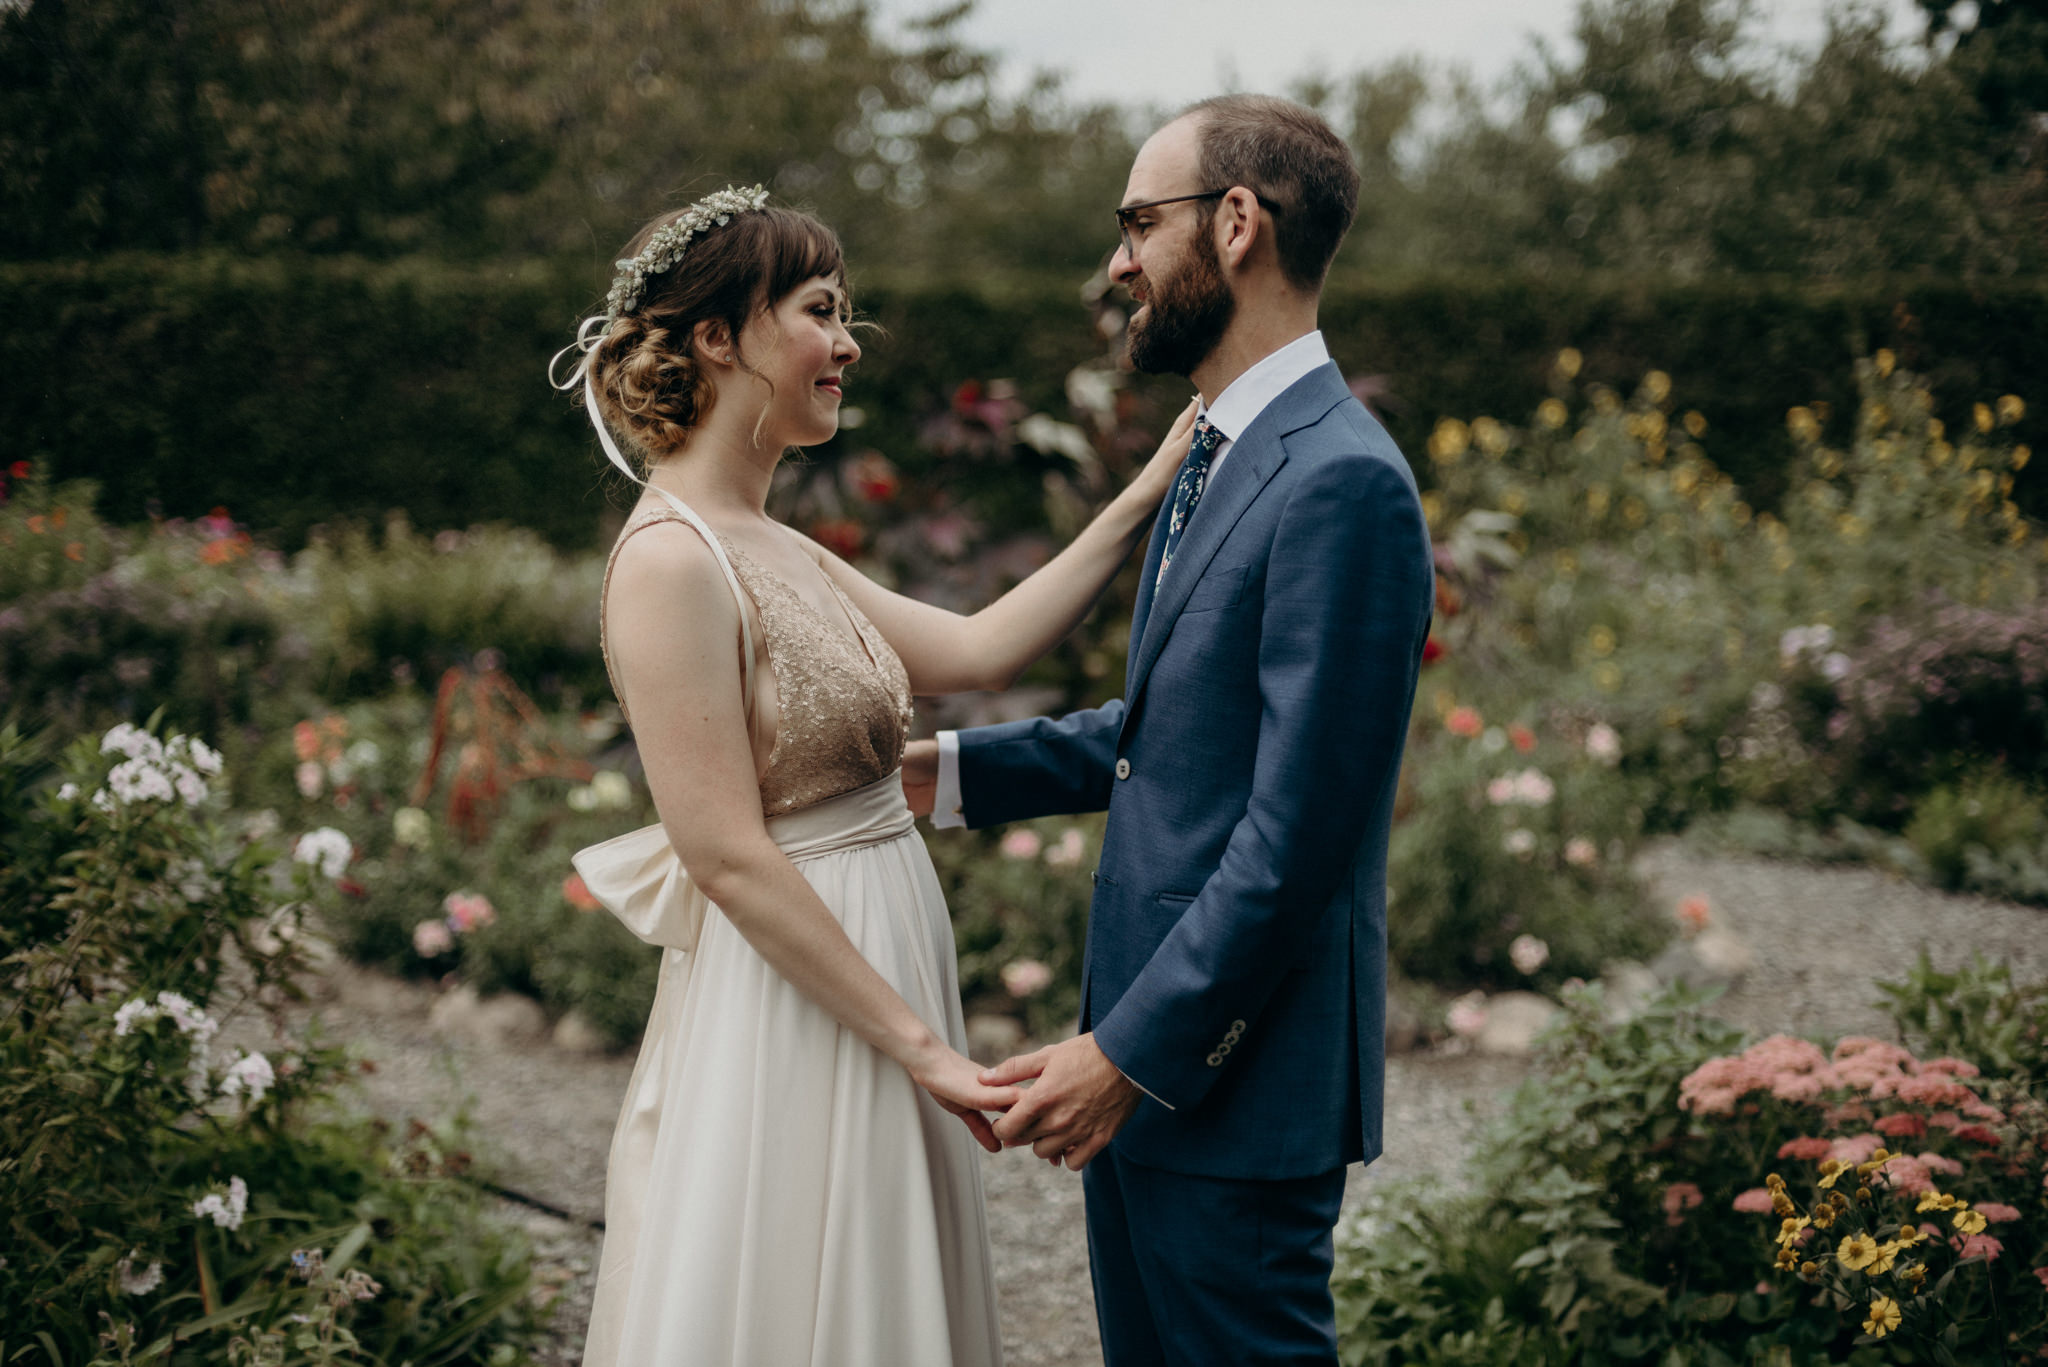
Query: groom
(1230, 1059)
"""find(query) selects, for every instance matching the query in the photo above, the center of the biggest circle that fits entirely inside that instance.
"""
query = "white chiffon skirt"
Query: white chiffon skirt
(779, 1191)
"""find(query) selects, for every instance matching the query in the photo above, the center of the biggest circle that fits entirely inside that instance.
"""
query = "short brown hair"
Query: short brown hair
(649, 385)
(1287, 154)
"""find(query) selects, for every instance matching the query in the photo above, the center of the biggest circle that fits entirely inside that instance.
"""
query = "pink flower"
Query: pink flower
(1467, 1015)
(1941, 1163)
(1022, 843)
(1977, 1134)
(1533, 789)
(1997, 1212)
(1026, 977)
(1933, 1089)
(432, 939)
(1501, 791)
(2042, 1273)
(1603, 743)
(468, 911)
(1464, 721)
(1527, 953)
(1067, 851)
(1694, 914)
(1976, 1246)
(1856, 1148)
(1524, 739)
(309, 776)
(1954, 1066)
(1906, 1176)
(1755, 1201)
(1678, 1198)
(1902, 1125)
(577, 893)
(1809, 1149)
(1581, 852)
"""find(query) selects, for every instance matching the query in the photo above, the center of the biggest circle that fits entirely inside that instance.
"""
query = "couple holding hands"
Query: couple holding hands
(794, 1178)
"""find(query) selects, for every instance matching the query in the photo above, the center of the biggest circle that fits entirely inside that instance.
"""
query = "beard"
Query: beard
(1185, 317)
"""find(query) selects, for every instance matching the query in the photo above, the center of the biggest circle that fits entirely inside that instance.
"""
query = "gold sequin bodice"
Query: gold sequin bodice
(843, 706)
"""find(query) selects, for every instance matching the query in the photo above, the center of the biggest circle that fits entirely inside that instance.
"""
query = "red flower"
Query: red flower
(966, 397)
(577, 893)
(351, 888)
(19, 469)
(841, 536)
(1431, 651)
(1464, 721)
(1902, 1125)
(1523, 737)
(874, 478)
(1977, 1134)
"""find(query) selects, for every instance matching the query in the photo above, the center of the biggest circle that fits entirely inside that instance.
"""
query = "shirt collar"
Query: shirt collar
(1239, 405)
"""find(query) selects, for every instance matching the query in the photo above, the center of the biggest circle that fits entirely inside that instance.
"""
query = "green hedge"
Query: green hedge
(297, 391)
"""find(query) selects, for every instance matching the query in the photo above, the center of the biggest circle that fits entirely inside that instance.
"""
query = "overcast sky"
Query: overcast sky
(1169, 52)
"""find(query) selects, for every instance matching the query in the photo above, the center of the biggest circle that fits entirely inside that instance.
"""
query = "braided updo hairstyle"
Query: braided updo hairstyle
(650, 386)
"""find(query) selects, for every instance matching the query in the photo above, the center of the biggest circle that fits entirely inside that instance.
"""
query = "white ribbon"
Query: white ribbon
(586, 343)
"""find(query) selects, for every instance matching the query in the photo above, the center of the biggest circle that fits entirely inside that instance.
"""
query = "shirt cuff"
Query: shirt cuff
(947, 810)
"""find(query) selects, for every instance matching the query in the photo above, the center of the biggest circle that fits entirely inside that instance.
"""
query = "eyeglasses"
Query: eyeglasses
(1125, 215)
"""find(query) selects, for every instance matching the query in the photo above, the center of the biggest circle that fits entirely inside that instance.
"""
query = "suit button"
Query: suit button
(1223, 1048)
(1215, 1060)
(1237, 1027)
(1123, 768)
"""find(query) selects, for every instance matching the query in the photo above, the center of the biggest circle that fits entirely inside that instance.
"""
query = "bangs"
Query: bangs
(796, 247)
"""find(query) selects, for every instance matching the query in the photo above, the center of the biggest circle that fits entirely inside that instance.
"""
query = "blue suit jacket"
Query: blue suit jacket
(1236, 960)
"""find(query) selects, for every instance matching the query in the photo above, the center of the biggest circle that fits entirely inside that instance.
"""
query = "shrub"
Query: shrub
(1987, 814)
(163, 1195)
(1628, 1208)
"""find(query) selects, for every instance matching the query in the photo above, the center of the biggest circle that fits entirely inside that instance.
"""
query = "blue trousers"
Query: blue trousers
(1194, 1271)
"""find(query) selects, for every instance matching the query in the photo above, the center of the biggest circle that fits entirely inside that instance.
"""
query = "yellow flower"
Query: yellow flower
(1552, 414)
(1657, 385)
(1980, 414)
(1449, 440)
(1802, 423)
(1600, 640)
(1857, 1252)
(1490, 436)
(1787, 1259)
(2011, 408)
(1885, 361)
(1596, 500)
(1934, 1200)
(2020, 456)
(1911, 1235)
(1789, 1228)
(1887, 1253)
(1569, 361)
(1606, 676)
(1830, 1169)
(1695, 422)
(1935, 429)
(1878, 1159)
(1969, 1222)
(1823, 1215)
(1884, 1317)
(1432, 507)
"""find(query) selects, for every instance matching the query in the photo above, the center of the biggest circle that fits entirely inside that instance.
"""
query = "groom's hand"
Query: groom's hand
(921, 776)
(1072, 1111)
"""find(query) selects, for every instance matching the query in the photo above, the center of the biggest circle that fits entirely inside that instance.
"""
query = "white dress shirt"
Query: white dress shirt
(1235, 409)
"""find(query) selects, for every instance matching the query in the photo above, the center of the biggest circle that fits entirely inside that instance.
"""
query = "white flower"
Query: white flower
(1026, 977)
(191, 788)
(1533, 789)
(364, 754)
(1501, 791)
(1519, 841)
(132, 741)
(431, 939)
(68, 793)
(583, 798)
(202, 757)
(250, 1074)
(1799, 641)
(309, 777)
(612, 789)
(137, 1012)
(326, 849)
(133, 1283)
(668, 243)
(1493, 740)
(1527, 953)
(228, 1212)
(139, 780)
(1834, 666)
(1581, 852)
(189, 1019)
(261, 825)
(412, 827)
(1603, 743)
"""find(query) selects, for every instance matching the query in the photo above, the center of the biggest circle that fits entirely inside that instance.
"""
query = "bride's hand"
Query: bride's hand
(1156, 479)
(954, 1081)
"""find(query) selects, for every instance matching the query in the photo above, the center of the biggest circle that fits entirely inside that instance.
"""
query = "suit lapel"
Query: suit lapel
(1142, 608)
(1252, 462)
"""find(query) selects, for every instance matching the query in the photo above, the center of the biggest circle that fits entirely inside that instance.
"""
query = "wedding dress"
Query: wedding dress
(780, 1192)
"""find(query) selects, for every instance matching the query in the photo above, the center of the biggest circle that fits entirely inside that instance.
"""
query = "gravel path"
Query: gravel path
(542, 1117)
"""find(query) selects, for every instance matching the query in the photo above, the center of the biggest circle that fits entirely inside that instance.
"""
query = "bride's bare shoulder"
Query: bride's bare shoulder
(664, 564)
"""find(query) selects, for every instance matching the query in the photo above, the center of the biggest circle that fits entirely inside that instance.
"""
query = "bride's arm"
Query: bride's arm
(675, 630)
(948, 652)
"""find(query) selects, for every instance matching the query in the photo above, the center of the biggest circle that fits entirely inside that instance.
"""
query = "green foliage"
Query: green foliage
(1600, 1224)
(1976, 1012)
(1987, 812)
(156, 1185)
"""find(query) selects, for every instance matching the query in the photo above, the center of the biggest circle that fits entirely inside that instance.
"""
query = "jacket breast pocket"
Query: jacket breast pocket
(1219, 588)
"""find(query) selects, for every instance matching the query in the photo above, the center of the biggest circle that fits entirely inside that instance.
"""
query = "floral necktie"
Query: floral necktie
(1187, 490)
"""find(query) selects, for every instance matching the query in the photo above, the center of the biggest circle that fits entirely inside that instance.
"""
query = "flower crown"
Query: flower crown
(671, 240)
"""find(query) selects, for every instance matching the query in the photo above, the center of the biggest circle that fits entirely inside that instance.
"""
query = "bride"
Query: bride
(792, 1179)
